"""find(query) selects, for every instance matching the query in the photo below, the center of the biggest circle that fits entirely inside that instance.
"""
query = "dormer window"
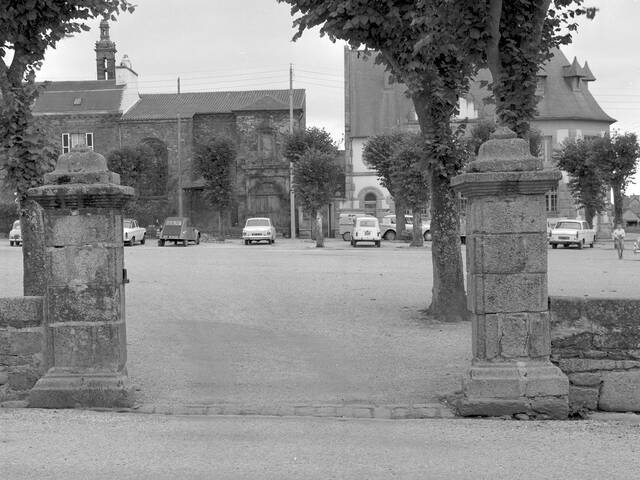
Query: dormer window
(77, 100)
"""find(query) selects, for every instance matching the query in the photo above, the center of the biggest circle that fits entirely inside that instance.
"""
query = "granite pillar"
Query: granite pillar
(85, 328)
(507, 284)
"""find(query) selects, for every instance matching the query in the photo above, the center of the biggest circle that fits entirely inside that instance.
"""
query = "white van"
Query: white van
(366, 229)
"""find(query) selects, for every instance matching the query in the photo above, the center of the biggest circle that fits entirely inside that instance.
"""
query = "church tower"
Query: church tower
(105, 54)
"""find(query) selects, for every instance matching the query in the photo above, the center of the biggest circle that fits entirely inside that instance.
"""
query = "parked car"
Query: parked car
(258, 229)
(366, 229)
(551, 224)
(572, 232)
(388, 227)
(132, 232)
(346, 222)
(15, 235)
(178, 229)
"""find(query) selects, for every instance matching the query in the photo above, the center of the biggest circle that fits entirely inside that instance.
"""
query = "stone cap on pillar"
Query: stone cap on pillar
(81, 179)
(81, 165)
(505, 166)
(504, 152)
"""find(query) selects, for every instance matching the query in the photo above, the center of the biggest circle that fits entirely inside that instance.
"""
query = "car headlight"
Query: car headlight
(244, 232)
(268, 232)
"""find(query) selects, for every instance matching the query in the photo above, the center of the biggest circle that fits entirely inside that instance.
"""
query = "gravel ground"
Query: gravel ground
(38, 444)
(264, 325)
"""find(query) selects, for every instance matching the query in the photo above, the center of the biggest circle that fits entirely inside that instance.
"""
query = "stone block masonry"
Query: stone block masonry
(22, 360)
(596, 342)
(507, 284)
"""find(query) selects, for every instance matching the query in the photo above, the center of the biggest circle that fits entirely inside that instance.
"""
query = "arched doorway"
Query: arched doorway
(370, 204)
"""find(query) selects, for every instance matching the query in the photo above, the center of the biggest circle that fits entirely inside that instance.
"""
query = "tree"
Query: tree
(617, 158)
(411, 180)
(27, 30)
(520, 36)
(377, 155)
(215, 161)
(316, 176)
(141, 168)
(298, 143)
(586, 183)
(435, 47)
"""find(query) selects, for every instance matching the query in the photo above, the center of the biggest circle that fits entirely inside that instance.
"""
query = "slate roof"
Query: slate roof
(374, 108)
(560, 101)
(167, 105)
(95, 96)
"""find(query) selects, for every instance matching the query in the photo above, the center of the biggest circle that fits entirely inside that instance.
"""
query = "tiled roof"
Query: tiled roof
(165, 106)
(93, 96)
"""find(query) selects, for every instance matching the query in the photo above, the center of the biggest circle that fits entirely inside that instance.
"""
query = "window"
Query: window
(551, 200)
(540, 84)
(70, 140)
(370, 204)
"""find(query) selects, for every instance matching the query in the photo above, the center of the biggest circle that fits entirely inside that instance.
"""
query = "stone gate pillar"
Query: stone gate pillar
(84, 302)
(507, 283)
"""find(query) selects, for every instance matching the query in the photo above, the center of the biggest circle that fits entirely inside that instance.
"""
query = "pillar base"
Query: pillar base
(537, 388)
(62, 389)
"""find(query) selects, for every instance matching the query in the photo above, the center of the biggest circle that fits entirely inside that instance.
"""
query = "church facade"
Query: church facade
(109, 112)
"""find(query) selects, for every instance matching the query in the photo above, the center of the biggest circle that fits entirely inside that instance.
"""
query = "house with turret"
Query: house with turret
(374, 104)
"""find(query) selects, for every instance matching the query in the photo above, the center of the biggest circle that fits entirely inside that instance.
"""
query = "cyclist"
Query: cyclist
(618, 239)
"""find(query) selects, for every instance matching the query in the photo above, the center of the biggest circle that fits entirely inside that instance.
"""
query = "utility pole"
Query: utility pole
(292, 201)
(179, 154)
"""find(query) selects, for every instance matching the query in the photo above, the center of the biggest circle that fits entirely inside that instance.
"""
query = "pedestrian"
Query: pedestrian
(618, 239)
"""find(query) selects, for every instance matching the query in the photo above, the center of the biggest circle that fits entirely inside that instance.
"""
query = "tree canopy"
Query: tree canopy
(587, 184)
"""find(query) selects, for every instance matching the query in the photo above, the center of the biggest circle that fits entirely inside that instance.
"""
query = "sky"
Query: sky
(246, 44)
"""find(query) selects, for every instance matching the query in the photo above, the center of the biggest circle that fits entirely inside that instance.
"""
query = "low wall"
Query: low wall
(596, 342)
(22, 361)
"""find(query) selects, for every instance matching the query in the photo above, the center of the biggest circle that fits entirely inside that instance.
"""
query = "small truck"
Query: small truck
(572, 232)
(132, 232)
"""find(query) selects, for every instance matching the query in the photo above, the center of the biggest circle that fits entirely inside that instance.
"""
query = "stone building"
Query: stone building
(374, 104)
(109, 113)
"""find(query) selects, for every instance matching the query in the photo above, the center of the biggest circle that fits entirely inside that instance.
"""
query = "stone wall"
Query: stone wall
(21, 346)
(596, 342)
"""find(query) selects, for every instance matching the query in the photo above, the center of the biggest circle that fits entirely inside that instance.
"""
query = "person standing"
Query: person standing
(618, 239)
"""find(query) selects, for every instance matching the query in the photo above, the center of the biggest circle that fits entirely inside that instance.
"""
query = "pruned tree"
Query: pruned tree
(435, 47)
(376, 155)
(316, 175)
(587, 185)
(27, 30)
(411, 180)
(616, 156)
(215, 161)
(298, 143)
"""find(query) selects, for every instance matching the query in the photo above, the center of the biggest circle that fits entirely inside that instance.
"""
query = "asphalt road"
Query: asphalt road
(261, 325)
(76, 445)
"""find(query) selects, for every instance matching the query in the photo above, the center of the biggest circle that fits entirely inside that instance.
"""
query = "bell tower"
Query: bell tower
(105, 54)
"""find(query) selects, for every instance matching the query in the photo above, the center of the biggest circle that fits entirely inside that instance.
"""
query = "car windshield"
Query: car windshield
(569, 225)
(367, 223)
(127, 224)
(258, 222)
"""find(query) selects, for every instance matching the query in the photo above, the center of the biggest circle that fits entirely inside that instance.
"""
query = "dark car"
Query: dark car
(178, 230)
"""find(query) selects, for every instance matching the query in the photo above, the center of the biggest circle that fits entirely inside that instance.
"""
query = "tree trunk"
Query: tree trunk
(448, 300)
(617, 203)
(220, 232)
(418, 240)
(33, 248)
(400, 223)
(318, 233)
(589, 213)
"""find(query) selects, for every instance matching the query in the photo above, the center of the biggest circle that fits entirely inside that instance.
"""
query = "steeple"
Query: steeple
(105, 54)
